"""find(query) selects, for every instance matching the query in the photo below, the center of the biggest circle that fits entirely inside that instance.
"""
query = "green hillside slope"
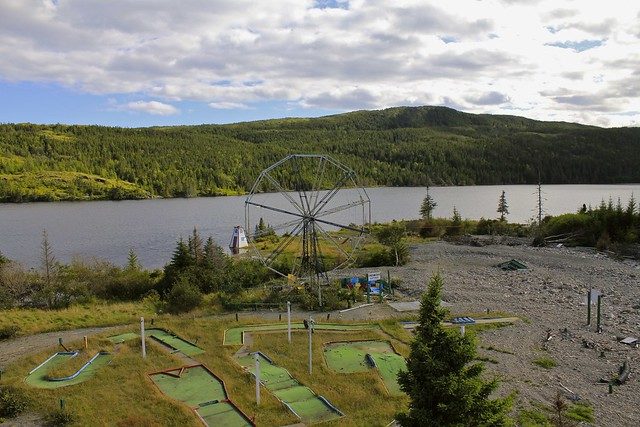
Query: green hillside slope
(402, 146)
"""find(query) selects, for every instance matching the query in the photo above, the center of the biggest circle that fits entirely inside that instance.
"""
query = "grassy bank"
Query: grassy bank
(33, 321)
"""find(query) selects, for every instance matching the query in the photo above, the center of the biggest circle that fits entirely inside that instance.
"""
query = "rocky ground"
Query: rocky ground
(550, 297)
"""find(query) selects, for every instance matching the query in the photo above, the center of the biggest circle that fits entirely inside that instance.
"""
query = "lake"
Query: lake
(109, 229)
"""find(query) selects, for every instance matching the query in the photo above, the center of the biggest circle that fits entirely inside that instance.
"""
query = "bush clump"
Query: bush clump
(60, 418)
(8, 332)
(183, 297)
(13, 402)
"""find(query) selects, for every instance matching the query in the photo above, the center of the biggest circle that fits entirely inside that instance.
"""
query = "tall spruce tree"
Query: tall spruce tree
(443, 382)
(427, 207)
(503, 207)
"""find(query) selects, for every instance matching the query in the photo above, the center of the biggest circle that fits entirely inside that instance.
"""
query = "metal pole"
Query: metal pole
(599, 312)
(144, 348)
(310, 348)
(257, 358)
(289, 321)
(589, 308)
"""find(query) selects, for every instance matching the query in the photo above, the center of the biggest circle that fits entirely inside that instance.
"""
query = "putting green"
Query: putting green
(301, 400)
(203, 392)
(357, 356)
(234, 336)
(117, 339)
(389, 364)
(38, 377)
(175, 342)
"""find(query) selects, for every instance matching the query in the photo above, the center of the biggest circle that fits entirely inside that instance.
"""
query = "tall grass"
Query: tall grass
(32, 321)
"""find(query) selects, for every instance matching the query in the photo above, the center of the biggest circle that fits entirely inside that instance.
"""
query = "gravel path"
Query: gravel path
(14, 349)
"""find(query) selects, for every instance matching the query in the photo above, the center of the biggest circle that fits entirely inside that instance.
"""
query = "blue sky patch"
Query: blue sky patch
(578, 46)
(331, 4)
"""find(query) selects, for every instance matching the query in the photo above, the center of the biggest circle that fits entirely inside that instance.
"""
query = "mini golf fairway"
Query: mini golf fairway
(235, 336)
(175, 342)
(359, 356)
(300, 400)
(118, 339)
(38, 376)
(203, 392)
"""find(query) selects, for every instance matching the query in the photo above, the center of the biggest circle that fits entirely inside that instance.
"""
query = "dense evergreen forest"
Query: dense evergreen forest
(404, 146)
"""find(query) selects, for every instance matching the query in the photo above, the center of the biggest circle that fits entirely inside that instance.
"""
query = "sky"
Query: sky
(168, 62)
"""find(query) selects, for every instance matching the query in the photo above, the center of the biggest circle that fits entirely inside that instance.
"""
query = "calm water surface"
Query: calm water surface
(109, 230)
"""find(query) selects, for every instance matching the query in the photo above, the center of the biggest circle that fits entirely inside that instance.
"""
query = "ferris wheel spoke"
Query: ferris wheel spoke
(260, 205)
(318, 184)
(335, 243)
(342, 226)
(302, 193)
(272, 228)
(285, 243)
(331, 194)
(284, 193)
(340, 208)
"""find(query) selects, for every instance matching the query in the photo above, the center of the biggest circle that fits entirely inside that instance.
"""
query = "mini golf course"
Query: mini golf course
(163, 336)
(175, 342)
(39, 376)
(360, 356)
(204, 392)
(300, 400)
(235, 336)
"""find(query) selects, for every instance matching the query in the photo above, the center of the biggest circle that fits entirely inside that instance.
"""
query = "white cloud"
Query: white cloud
(484, 56)
(227, 105)
(150, 107)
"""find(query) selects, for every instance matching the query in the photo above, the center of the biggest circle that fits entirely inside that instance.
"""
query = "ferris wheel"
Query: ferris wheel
(306, 215)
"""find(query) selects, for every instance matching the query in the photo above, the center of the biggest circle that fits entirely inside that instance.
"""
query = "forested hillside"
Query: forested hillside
(403, 146)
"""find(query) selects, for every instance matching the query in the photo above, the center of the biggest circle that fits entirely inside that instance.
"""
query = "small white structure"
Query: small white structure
(238, 240)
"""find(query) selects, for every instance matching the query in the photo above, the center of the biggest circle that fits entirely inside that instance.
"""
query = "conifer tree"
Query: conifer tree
(132, 261)
(442, 380)
(195, 246)
(503, 207)
(427, 207)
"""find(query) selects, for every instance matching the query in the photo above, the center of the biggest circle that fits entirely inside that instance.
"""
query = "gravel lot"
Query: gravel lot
(550, 296)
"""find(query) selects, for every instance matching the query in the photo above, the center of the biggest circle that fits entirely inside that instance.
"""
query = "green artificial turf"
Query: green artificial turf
(38, 377)
(297, 397)
(351, 356)
(233, 336)
(199, 389)
(175, 342)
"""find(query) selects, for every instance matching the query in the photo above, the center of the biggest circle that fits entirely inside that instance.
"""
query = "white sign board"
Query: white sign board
(372, 277)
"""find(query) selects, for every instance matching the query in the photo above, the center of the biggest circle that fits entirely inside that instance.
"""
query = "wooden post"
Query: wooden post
(144, 348)
(589, 308)
(289, 321)
(462, 329)
(599, 314)
(310, 346)
(86, 342)
(257, 358)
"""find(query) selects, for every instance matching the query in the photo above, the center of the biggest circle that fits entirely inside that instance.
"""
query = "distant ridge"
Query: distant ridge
(401, 146)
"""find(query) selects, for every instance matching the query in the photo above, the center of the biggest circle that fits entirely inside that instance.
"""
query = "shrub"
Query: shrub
(59, 418)
(580, 411)
(9, 331)
(13, 401)
(183, 297)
